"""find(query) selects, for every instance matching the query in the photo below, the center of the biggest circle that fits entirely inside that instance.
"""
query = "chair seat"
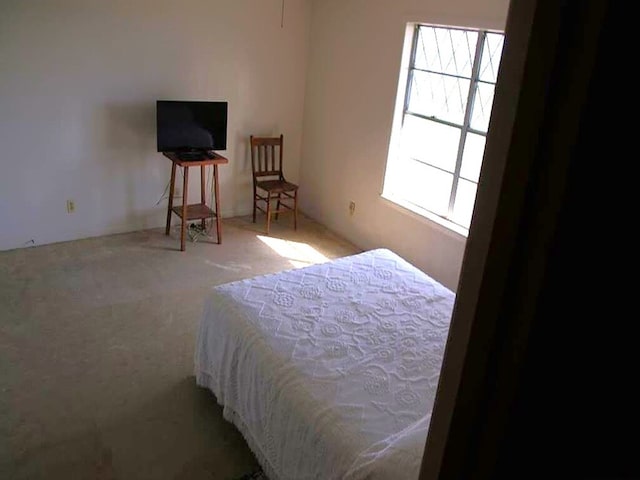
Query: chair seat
(276, 186)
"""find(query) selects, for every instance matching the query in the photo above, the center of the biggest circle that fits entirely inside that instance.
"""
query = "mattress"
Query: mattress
(329, 371)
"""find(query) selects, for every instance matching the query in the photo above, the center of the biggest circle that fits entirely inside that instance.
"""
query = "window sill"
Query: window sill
(423, 215)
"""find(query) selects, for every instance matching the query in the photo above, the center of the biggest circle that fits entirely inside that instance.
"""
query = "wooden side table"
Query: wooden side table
(197, 211)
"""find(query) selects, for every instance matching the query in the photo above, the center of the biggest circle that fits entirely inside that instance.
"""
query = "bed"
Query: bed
(328, 371)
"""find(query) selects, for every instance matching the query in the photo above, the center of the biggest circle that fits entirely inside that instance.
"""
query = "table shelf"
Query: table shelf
(195, 211)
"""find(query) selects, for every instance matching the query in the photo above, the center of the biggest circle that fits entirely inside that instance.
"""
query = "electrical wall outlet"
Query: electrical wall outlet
(352, 208)
(71, 206)
(177, 192)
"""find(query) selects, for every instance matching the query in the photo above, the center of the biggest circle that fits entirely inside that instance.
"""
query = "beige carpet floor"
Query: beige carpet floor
(96, 351)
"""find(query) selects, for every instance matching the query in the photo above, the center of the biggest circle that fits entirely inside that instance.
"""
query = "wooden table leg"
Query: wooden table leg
(185, 198)
(171, 192)
(202, 195)
(217, 195)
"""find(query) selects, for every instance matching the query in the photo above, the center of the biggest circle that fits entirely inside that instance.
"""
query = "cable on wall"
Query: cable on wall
(282, 16)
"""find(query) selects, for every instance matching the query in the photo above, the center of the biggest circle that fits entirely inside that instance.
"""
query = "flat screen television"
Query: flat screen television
(188, 126)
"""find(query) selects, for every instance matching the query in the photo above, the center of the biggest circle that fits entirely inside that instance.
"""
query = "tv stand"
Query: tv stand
(189, 155)
(198, 211)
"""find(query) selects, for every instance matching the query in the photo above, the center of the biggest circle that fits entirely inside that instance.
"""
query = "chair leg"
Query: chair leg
(268, 211)
(278, 207)
(295, 210)
(255, 203)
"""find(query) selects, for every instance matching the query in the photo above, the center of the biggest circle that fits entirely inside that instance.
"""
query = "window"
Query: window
(440, 136)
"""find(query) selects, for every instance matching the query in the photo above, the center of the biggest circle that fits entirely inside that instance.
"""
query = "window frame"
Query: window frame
(464, 128)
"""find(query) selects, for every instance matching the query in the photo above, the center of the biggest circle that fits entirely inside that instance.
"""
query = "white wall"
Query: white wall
(352, 81)
(78, 85)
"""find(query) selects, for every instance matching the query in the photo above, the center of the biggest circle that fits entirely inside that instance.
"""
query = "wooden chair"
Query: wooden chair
(266, 160)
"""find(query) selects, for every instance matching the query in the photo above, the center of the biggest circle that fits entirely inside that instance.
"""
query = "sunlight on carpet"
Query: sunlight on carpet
(299, 254)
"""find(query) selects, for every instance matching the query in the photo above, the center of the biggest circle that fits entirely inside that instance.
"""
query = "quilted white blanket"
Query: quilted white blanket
(329, 371)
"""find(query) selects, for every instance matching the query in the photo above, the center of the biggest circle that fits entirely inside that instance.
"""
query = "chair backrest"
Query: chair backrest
(266, 156)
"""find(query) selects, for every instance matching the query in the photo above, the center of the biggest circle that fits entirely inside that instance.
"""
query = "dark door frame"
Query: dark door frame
(544, 102)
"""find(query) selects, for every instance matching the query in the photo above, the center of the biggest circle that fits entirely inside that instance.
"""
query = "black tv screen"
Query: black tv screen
(191, 126)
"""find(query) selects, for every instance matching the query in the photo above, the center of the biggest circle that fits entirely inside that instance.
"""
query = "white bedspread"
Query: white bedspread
(329, 371)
